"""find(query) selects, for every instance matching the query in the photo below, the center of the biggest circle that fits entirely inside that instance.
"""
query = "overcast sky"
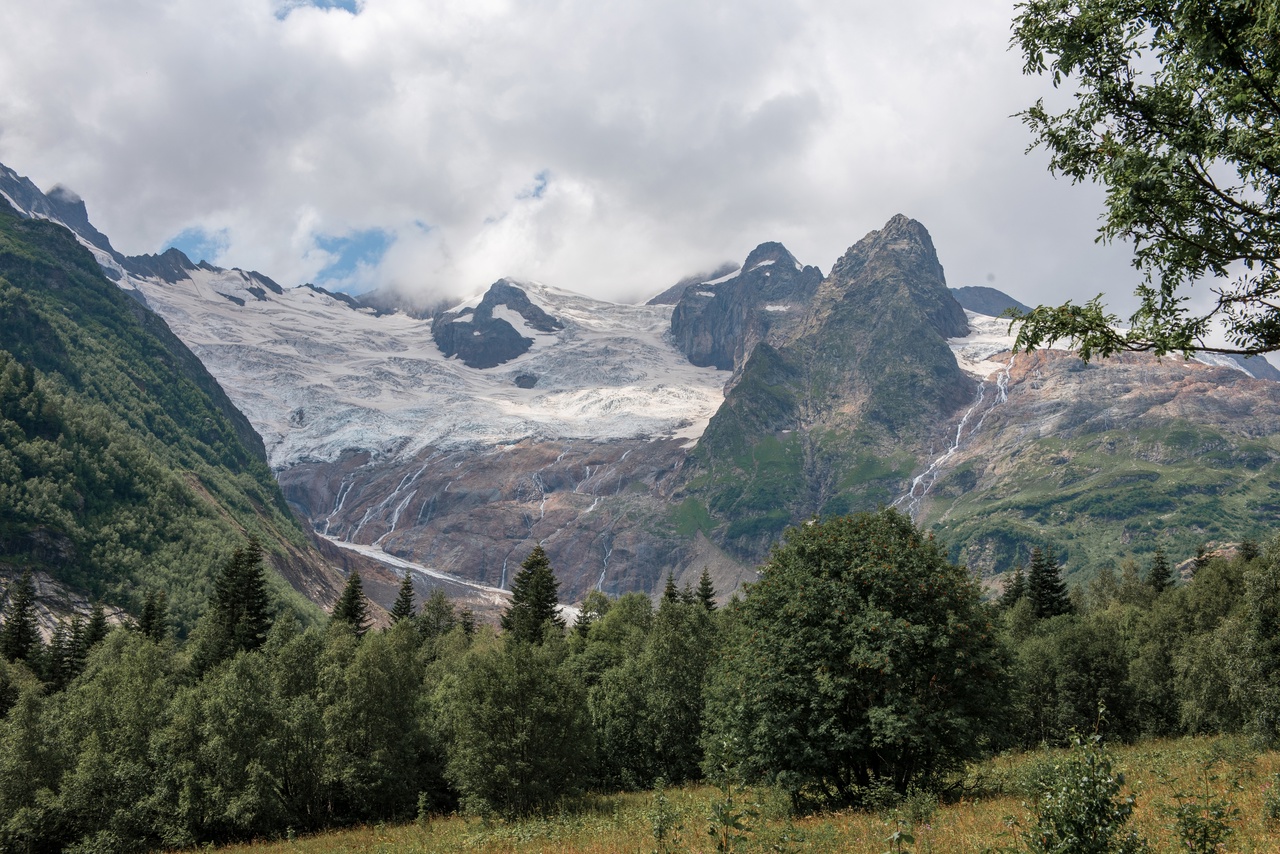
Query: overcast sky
(608, 148)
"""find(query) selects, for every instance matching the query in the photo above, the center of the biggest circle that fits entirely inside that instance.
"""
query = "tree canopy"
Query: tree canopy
(862, 656)
(1175, 108)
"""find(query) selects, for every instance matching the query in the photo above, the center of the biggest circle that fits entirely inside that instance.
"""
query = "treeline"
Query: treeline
(861, 663)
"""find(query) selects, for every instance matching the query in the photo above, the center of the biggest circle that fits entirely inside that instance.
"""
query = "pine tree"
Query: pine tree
(706, 591)
(404, 607)
(1014, 589)
(20, 637)
(1249, 549)
(351, 608)
(1160, 576)
(533, 600)
(1045, 587)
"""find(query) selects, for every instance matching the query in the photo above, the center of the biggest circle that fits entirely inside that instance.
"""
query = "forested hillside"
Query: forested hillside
(124, 469)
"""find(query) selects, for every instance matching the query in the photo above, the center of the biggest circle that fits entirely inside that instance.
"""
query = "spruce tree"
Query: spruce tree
(706, 591)
(154, 622)
(351, 608)
(1014, 589)
(241, 609)
(533, 600)
(1045, 587)
(20, 637)
(671, 593)
(404, 607)
(1160, 575)
(96, 629)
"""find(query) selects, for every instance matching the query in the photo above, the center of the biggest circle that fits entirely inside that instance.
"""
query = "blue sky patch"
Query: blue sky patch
(353, 251)
(539, 186)
(201, 245)
(352, 6)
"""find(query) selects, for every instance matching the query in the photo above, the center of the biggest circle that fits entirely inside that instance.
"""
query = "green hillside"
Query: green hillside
(123, 466)
(1100, 497)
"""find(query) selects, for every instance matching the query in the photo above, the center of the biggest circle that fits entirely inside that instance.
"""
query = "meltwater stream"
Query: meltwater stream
(922, 483)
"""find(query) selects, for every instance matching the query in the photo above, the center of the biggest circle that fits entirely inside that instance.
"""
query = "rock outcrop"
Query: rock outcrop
(720, 322)
(483, 339)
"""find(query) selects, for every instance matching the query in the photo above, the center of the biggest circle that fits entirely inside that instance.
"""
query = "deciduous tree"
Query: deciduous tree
(1175, 109)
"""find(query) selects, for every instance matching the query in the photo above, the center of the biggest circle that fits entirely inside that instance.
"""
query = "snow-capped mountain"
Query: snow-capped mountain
(634, 441)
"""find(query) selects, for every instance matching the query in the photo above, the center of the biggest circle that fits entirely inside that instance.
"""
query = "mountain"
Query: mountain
(832, 413)
(988, 301)
(634, 441)
(124, 466)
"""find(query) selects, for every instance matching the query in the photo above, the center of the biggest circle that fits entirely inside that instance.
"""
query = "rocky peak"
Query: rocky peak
(898, 262)
(482, 337)
(719, 322)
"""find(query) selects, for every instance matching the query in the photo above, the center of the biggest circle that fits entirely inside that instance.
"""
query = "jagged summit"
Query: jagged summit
(719, 322)
(898, 263)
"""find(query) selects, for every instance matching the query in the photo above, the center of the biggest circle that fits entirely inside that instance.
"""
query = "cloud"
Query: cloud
(605, 148)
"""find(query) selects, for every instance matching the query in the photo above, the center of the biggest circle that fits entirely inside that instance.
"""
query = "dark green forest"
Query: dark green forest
(124, 468)
(861, 662)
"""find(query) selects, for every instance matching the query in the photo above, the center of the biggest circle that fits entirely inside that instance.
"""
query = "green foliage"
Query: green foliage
(19, 637)
(1160, 575)
(861, 655)
(351, 609)
(241, 610)
(647, 709)
(1045, 587)
(520, 738)
(1175, 105)
(533, 615)
(119, 453)
(1081, 808)
(404, 605)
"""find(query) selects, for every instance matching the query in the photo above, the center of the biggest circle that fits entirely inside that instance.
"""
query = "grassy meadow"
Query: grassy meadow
(989, 813)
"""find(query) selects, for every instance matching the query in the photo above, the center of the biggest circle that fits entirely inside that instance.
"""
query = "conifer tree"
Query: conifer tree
(153, 623)
(533, 600)
(706, 591)
(670, 593)
(1045, 587)
(241, 609)
(96, 629)
(1160, 576)
(19, 637)
(351, 608)
(1014, 589)
(438, 616)
(403, 609)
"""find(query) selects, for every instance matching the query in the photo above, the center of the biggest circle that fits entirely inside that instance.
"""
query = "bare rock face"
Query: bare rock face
(598, 508)
(719, 322)
(482, 340)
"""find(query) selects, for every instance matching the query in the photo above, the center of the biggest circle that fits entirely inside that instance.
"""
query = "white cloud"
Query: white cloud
(672, 135)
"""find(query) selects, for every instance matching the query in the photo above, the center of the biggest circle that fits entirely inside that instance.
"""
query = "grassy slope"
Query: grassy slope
(1156, 772)
(123, 466)
(1100, 497)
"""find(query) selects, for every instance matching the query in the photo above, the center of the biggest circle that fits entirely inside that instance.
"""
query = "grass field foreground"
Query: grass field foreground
(991, 816)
